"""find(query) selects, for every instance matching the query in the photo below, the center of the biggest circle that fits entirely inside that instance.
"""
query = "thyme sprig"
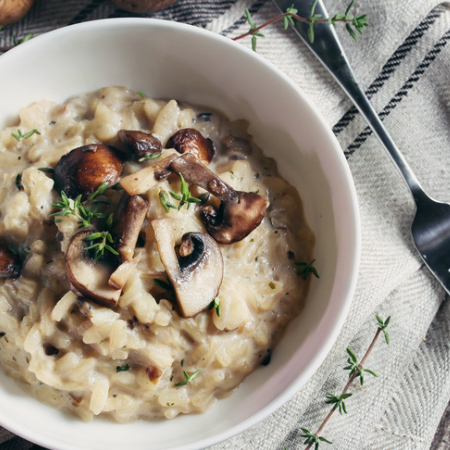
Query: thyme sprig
(188, 378)
(306, 269)
(357, 370)
(353, 24)
(19, 135)
(216, 305)
(83, 212)
(184, 198)
(100, 247)
(86, 213)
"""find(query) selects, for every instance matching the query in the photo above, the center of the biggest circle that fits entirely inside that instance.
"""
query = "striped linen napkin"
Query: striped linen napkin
(403, 62)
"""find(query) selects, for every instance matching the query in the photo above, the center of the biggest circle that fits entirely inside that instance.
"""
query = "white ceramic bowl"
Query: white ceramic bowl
(170, 60)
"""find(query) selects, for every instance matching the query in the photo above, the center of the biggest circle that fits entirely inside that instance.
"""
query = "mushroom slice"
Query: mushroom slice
(239, 212)
(89, 277)
(131, 213)
(141, 181)
(141, 144)
(190, 140)
(197, 274)
(10, 264)
(120, 276)
(84, 169)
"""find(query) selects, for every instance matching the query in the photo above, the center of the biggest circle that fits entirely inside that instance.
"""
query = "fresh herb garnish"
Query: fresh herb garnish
(311, 438)
(19, 135)
(338, 401)
(216, 305)
(184, 198)
(123, 368)
(26, 38)
(306, 269)
(141, 94)
(357, 370)
(100, 247)
(352, 24)
(188, 378)
(150, 157)
(18, 182)
(85, 213)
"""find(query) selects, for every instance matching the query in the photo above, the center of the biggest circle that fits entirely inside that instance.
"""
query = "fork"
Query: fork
(430, 228)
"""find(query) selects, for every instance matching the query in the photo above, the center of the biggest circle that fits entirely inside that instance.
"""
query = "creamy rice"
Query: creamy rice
(141, 358)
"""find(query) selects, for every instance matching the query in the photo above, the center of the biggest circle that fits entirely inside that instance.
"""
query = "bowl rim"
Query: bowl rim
(353, 218)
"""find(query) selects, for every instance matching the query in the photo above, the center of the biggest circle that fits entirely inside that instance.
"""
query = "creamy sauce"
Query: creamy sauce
(140, 359)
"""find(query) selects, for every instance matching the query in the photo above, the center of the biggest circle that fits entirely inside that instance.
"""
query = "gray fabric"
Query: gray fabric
(403, 60)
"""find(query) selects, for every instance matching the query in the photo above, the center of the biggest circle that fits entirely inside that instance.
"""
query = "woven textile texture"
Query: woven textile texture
(403, 63)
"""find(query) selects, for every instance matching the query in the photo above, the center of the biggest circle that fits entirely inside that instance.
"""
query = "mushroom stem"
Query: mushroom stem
(143, 180)
(131, 214)
(239, 212)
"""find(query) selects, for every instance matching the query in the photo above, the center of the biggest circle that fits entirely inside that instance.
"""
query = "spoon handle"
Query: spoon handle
(329, 52)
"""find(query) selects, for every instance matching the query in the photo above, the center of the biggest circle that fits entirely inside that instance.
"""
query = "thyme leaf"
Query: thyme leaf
(290, 16)
(216, 305)
(19, 135)
(188, 378)
(104, 244)
(306, 269)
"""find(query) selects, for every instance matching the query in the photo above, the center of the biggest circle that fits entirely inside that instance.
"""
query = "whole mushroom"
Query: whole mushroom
(190, 140)
(84, 169)
(12, 11)
(143, 145)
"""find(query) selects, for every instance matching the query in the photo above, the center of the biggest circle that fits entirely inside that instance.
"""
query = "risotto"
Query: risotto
(150, 255)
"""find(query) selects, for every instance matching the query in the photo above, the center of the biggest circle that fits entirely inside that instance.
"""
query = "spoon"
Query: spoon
(430, 228)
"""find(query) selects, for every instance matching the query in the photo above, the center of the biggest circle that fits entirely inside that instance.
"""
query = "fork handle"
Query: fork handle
(328, 50)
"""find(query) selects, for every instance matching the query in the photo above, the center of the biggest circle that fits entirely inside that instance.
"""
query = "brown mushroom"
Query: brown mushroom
(10, 265)
(84, 169)
(239, 212)
(141, 181)
(190, 140)
(89, 277)
(141, 144)
(131, 213)
(12, 11)
(197, 274)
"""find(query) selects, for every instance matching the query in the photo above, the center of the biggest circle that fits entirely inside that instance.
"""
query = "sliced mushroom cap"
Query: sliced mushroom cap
(89, 277)
(190, 140)
(239, 212)
(131, 213)
(10, 265)
(84, 169)
(236, 218)
(141, 181)
(140, 143)
(197, 274)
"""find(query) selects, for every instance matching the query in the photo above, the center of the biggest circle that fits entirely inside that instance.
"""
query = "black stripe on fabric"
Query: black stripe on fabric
(252, 10)
(84, 13)
(199, 13)
(391, 65)
(402, 93)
